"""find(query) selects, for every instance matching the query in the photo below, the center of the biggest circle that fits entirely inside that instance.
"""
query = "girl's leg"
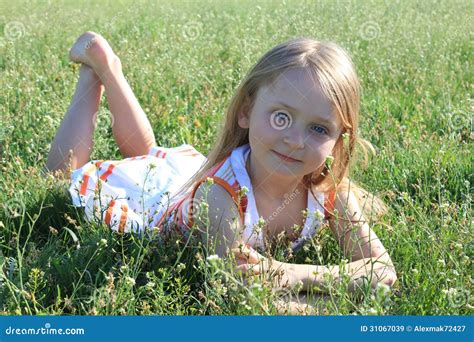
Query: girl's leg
(131, 129)
(73, 141)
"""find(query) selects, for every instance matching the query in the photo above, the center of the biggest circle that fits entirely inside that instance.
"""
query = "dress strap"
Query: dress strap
(227, 187)
(329, 199)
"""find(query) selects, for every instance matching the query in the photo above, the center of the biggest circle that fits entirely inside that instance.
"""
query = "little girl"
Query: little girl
(280, 162)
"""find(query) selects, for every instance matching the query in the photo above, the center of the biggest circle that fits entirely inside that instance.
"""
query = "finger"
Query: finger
(249, 269)
(247, 255)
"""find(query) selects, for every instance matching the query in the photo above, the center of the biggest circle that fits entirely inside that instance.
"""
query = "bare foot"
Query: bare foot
(93, 50)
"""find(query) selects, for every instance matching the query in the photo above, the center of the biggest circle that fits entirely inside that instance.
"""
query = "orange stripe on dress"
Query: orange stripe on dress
(108, 214)
(329, 199)
(85, 180)
(123, 218)
(107, 173)
(86, 177)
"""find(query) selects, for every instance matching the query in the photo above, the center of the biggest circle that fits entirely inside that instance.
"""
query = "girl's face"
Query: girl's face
(292, 118)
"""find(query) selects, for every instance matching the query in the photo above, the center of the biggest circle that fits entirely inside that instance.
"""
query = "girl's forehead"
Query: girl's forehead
(300, 91)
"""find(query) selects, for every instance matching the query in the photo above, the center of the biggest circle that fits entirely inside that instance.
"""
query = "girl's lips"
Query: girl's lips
(285, 158)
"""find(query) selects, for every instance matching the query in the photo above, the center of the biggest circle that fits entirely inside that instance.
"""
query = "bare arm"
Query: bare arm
(217, 219)
(369, 258)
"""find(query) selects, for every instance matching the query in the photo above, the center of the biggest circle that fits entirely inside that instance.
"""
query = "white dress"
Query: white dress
(133, 194)
(139, 184)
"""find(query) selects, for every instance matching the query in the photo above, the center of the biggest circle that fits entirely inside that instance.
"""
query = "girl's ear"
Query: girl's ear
(244, 115)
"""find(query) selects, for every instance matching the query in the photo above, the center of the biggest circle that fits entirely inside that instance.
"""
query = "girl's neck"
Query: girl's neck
(264, 185)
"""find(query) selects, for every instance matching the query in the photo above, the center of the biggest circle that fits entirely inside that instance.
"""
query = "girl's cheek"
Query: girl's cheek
(321, 145)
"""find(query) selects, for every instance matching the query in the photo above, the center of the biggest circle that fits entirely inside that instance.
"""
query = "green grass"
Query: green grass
(186, 59)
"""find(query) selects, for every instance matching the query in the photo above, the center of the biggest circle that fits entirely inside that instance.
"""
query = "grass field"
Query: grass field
(186, 59)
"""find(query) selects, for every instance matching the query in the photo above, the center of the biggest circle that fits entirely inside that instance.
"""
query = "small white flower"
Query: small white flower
(212, 257)
(441, 262)
(345, 140)
(109, 277)
(150, 285)
(244, 190)
(130, 281)
(102, 243)
(415, 271)
(318, 215)
(180, 267)
(123, 268)
(256, 286)
(329, 161)
(383, 289)
(298, 286)
(372, 311)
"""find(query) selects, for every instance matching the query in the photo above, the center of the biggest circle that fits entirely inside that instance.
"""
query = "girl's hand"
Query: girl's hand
(368, 269)
(249, 261)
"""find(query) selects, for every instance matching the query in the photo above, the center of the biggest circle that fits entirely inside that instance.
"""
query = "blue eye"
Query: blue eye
(320, 129)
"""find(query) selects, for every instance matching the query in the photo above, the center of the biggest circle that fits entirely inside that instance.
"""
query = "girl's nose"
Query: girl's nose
(294, 137)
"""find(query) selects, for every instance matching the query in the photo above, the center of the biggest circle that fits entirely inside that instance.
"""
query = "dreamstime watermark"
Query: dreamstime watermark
(194, 207)
(369, 30)
(14, 30)
(90, 43)
(460, 119)
(280, 120)
(102, 120)
(457, 297)
(279, 209)
(192, 30)
(46, 330)
(14, 207)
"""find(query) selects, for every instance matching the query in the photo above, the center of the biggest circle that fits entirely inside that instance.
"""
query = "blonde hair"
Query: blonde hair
(332, 68)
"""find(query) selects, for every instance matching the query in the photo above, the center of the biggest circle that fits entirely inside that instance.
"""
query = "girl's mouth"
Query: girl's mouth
(286, 158)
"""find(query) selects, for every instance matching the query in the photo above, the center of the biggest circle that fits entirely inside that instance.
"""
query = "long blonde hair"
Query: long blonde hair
(331, 66)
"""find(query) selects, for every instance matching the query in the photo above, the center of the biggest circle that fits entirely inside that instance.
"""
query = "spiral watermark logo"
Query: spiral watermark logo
(280, 120)
(192, 30)
(102, 120)
(14, 207)
(194, 207)
(14, 30)
(458, 297)
(460, 119)
(369, 30)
